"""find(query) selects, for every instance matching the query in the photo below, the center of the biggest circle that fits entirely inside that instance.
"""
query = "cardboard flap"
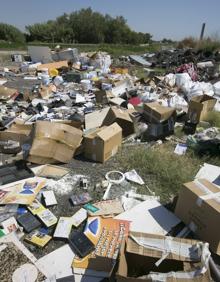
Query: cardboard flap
(109, 131)
(60, 132)
(157, 245)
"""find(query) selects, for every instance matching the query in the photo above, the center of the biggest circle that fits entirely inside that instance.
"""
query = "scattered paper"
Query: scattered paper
(180, 149)
(79, 217)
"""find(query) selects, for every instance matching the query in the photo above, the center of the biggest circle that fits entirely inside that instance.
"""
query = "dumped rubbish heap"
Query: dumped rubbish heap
(63, 105)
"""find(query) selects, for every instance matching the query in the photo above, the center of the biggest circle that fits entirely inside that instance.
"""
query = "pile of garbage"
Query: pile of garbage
(64, 105)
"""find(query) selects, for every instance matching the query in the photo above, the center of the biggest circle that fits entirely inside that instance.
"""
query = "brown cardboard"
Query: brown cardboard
(6, 93)
(154, 112)
(55, 141)
(103, 143)
(20, 129)
(21, 138)
(123, 119)
(101, 96)
(52, 171)
(199, 107)
(95, 119)
(136, 261)
(56, 65)
(201, 215)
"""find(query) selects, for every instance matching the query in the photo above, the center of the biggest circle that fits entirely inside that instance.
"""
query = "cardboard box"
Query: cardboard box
(198, 206)
(95, 119)
(179, 260)
(154, 112)
(103, 143)
(160, 130)
(199, 107)
(54, 142)
(122, 117)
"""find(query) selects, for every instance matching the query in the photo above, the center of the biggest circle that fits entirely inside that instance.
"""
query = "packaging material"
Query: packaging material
(150, 217)
(57, 263)
(216, 87)
(36, 207)
(54, 142)
(121, 87)
(49, 198)
(95, 119)
(47, 217)
(10, 225)
(28, 222)
(107, 208)
(21, 192)
(180, 149)
(79, 217)
(7, 93)
(56, 65)
(134, 177)
(51, 171)
(38, 238)
(198, 206)
(122, 117)
(63, 228)
(157, 131)
(107, 236)
(199, 107)
(103, 143)
(209, 172)
(154, 112)
(20, 129)
(80, 244)
(149, 257)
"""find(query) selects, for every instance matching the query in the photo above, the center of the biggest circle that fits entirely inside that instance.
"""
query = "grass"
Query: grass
(163, 171)
(113, 49)
(207, 44)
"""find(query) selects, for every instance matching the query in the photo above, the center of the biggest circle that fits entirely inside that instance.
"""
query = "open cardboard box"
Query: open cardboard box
(103, 143)
(123, 119)
(199, 107)
(198, 206)
(136, 261)
(156, 113)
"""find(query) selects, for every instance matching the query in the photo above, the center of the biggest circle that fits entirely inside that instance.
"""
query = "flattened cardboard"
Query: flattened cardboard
(107, 208)
(198, 206)
(136, 261)
(52, 171)
(199, 107)
(103, 143)
(154, 112)
(123, 119)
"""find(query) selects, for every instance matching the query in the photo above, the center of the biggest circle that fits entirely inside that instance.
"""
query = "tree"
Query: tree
(11, 34)
(86, 26)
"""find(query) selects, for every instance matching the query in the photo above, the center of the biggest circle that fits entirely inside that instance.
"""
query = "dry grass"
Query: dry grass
(162, 170)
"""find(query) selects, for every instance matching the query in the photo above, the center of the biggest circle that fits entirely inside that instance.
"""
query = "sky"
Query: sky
(173, 19)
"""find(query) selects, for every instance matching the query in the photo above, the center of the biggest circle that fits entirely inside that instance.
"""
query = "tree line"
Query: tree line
(83, 26)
